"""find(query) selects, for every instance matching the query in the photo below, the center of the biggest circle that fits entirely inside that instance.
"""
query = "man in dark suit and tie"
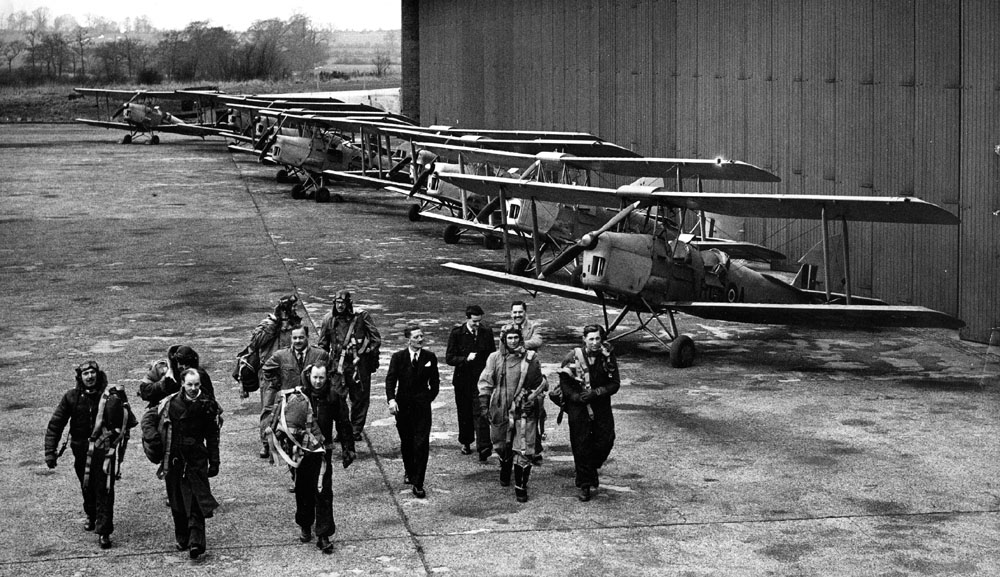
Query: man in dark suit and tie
(411, 383)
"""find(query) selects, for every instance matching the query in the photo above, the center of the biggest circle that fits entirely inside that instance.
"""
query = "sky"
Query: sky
(236, 15)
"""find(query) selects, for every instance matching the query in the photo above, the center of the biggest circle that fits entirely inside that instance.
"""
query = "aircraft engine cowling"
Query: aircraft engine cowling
(519, 213)
(642, 265)
(619, 264)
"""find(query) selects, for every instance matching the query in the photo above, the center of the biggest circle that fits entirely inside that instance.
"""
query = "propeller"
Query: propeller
(425, 165)
(587, 241)
(269, 138)
(119, 110)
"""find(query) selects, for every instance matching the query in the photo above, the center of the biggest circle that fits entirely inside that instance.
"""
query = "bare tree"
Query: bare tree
(55, 53)
(81, 38)
(384, 54)
(40, 18)
(65, 23)
(10, 50)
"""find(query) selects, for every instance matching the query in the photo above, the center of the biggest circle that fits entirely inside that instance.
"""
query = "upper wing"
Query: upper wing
(858, 208)
(128, 94)
(669, 167)
(506, 159)
(817, 316)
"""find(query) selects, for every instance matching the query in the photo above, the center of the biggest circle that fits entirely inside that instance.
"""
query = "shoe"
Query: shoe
(196, 551)
(104, 541)
(584, 493)
(89, 525)
(265, 452)
(306, 535)
(484, 456)
(406, 480)
(324, 545)
(419, 492)
(357, 437)
(466, 450)
(181, 546)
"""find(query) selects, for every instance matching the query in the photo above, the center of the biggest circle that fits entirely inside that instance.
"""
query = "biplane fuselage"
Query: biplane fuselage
(316, 153)
(654, 269)
(144, 116)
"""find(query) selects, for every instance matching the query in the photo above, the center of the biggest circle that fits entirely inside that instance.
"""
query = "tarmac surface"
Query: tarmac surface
(781, 452)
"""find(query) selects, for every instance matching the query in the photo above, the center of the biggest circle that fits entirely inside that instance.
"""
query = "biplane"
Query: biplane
(310, 146)
(141, 115)
(415, 144)
(557, 224)
(659, 274)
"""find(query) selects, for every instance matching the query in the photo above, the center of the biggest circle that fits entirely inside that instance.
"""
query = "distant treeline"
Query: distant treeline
(35, 50)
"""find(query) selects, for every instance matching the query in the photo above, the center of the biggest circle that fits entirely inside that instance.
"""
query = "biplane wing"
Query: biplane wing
(507, 159)
(856, 208)
(132, 94)
(530, 284)
(670, 167)
(185, 129)
(809, 315)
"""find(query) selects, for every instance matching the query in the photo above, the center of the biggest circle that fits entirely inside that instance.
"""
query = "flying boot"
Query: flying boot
(521, 475)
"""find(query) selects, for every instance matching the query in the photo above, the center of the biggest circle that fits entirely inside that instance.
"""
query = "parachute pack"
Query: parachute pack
(291, 430)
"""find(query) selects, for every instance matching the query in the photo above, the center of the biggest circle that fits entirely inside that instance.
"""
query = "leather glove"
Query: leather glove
(348, 458)
(213, 469)
(588, 395)
(50, 461)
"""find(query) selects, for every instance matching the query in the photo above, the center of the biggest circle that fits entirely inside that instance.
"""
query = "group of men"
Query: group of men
(181, 401)
(499, 399)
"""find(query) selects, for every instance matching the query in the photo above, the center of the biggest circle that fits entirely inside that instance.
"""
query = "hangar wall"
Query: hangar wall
(851, 97)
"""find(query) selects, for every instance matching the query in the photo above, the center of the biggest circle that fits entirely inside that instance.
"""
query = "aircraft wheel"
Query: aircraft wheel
(155, 139)
(682, 352)
(492, 242)
(322, 194)
(282, 176)
(519, 267)
(336, 198)
(413, 213)
(733, 293)
(451, 234)
(298, 192)
(127, 139)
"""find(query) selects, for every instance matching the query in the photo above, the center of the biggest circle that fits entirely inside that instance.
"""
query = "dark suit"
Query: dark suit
(281, 372)
(413, 387)
(472, 426)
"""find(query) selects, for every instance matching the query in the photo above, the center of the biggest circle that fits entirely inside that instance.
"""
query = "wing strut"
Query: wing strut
(847, 261)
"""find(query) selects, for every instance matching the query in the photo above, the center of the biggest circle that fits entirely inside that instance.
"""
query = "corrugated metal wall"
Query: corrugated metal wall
(854, 97)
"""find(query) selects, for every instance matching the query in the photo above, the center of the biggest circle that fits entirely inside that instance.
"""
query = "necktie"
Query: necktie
(299, 358)
(413, 359)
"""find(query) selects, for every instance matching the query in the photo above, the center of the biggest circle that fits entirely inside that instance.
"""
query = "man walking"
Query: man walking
(283, 371)
(99, 422)
(411, 384)
(271, 335)
(588, 377)
(509, 389)
(469, 344)
(353, 341)
(531, 342)
(192, 457)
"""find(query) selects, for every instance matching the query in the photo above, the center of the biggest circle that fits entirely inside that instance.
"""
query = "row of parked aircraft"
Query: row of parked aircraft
(646, 249)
